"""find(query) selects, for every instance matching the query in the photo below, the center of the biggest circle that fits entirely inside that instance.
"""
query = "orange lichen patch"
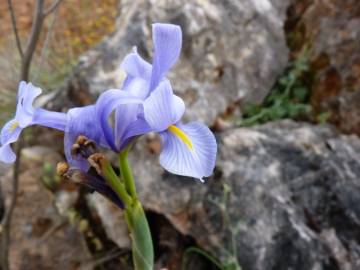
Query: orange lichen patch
(79, 30)
(326, 86)
(322, 61)
(76, 26)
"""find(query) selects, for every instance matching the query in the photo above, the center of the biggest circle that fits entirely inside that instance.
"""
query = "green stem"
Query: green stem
(211, 258)
(141, 241)
(126, 173)
(115, 183)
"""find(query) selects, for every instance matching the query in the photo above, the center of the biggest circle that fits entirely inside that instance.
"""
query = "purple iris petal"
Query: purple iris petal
(138, 75)
(7, 155)
(9, 134)
(176, 157)
(167, 40)
(23, 118)
(124, 116)
(135, 66)
(50, 119)
(136, 128)
(106, 104)
(24, 109)
(81, 121)
(162, 108)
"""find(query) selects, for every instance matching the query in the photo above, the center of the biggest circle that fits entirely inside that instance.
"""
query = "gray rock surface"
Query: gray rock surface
(232, 51)
(284, 195)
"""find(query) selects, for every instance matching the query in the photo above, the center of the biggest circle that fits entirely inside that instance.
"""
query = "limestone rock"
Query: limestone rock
(112, 219)
(284, 196)
(232, 52)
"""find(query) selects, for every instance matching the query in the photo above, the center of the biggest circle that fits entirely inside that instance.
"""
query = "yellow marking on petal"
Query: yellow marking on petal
(181, 135)
(13, 126)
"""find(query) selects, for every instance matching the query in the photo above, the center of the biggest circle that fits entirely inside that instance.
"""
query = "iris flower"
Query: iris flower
(187, 149)
(26, 115)
(80, 121)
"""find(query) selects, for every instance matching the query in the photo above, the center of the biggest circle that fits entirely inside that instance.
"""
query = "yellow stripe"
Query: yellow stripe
(181, 135)
(13, 126)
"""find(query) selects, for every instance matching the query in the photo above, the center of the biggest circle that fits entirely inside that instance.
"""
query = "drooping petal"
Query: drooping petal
(9, 134)
(167, 40)
(81, 121)
(106, 104)
(162, 108)
(24, 109)
(50, 119)
(7, 155)
(194, 160)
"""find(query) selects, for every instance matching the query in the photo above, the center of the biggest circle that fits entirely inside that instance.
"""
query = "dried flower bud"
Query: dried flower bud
(62, 168)
(83, 147)
(77, 176)
(95, 161)
(81, 139)
(75, 149)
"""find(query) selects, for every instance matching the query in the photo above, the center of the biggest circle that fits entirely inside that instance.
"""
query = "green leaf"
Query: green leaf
(323, 117)
(142, 246)
(251, 109)
(301, 93)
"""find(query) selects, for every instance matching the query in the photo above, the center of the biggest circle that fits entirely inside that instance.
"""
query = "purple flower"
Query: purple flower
(26, 116)
(81, 121)
(188, 150)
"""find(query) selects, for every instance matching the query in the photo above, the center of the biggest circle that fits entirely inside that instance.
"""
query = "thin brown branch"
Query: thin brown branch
(6, 222)
(33, 39)
(16, 33)
(52, 7)
(44, 48)
(26, 58)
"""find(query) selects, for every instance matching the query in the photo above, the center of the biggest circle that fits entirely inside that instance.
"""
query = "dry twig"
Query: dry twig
(26, 57)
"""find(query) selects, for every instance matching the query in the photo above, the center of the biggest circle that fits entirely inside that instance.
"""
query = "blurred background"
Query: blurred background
(277, 81)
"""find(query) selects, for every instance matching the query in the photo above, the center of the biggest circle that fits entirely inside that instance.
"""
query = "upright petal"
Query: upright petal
(194, 160)
(162, 108)
(136, 128)
(167, 40)
(124, 116)
(105, 105)
(9, 134)
(24, 110)
(138, 75)
(135, 66)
